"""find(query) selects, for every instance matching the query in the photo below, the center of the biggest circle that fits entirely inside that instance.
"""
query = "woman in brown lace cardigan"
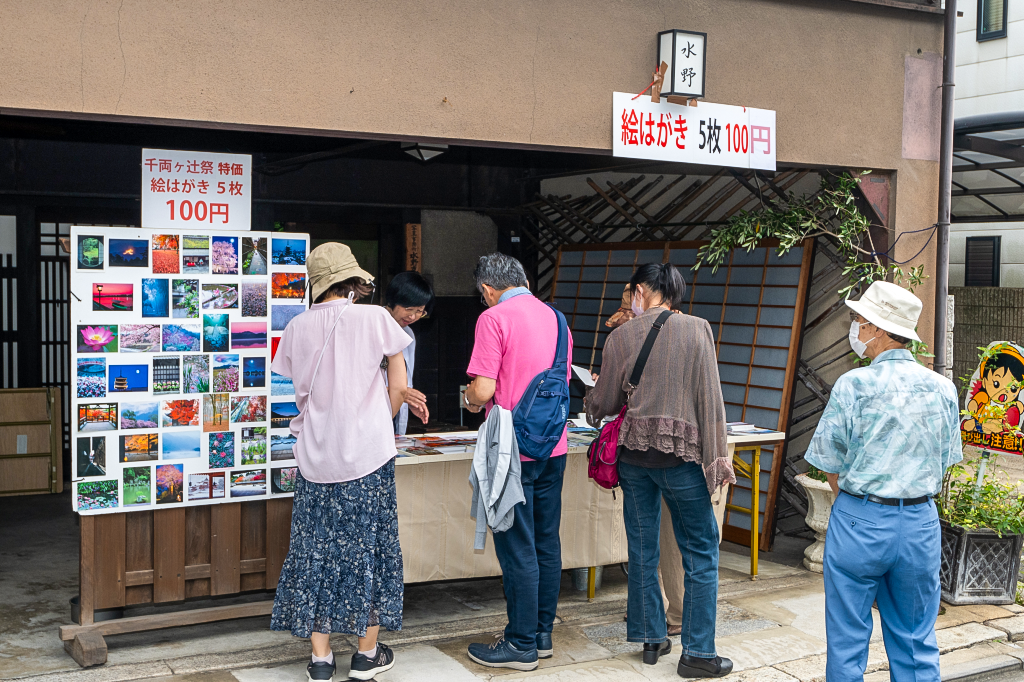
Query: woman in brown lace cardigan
(672, 446)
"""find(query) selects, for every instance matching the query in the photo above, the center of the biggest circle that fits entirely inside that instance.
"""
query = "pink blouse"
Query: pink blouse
(344, 431)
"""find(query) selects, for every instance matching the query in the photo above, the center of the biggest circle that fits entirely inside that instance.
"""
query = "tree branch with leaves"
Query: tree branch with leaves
(832, 214)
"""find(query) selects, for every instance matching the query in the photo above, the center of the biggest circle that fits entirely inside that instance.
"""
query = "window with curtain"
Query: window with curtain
(991, 19)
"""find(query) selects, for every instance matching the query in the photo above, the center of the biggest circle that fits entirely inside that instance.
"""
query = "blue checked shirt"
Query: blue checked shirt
(889, 429)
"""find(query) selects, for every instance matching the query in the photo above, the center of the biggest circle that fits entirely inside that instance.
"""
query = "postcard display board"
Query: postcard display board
(174, 402)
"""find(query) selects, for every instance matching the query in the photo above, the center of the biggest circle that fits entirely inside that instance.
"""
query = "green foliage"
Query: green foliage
(991, 502)
(817, 474)
(830, 213)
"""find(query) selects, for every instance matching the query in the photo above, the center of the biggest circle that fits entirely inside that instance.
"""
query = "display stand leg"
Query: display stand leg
(88, 649)
(755, 508)
(591, 582)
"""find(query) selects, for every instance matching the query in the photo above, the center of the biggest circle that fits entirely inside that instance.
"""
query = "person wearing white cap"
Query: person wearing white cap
(884, 441)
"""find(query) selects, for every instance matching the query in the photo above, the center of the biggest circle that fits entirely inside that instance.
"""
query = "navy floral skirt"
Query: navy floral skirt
(343, 572)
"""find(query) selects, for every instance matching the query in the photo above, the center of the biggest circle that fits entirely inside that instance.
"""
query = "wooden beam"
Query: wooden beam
(754, 191)
(614, 204)
(174, 619)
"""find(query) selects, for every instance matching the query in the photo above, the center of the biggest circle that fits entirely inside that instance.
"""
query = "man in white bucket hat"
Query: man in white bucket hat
(885, 439)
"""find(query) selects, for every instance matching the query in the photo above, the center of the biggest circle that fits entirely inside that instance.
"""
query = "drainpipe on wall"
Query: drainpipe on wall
(945, 177)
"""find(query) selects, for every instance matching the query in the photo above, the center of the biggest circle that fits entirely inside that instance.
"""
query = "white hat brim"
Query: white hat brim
(869, 314)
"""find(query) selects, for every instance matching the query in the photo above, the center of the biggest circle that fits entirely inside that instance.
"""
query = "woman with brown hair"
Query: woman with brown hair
(343, 572)
(672, 448)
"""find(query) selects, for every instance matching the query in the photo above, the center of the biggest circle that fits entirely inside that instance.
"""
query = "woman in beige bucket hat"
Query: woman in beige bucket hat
(343, 572)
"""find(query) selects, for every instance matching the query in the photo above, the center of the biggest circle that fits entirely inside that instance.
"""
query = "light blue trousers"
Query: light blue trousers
(889, 555)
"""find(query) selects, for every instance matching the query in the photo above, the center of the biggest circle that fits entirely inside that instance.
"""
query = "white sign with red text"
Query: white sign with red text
(710, 134)
(182, 190)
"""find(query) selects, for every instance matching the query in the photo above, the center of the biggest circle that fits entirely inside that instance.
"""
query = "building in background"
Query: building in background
(987, 235)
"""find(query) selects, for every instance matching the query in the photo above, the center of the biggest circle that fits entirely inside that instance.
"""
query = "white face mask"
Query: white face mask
(858, 346)
(637, 308)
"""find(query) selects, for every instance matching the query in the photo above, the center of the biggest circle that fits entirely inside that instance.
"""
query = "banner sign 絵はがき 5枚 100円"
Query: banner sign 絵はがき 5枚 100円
(173, 398)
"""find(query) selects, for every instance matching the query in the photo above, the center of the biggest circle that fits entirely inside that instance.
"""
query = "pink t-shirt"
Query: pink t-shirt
(345, 431)
(515, 341)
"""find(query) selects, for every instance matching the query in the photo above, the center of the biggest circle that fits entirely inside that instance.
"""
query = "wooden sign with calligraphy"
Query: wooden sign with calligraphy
(413, 247)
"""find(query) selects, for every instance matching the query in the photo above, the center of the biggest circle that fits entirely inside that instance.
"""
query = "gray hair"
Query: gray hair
(499, 271)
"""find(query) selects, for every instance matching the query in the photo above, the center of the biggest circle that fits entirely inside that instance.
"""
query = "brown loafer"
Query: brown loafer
(675, 630)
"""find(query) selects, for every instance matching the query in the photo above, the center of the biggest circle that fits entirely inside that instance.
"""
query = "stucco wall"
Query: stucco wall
(536, 72)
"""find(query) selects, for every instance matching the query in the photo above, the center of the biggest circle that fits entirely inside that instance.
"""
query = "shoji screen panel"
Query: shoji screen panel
(755, 305)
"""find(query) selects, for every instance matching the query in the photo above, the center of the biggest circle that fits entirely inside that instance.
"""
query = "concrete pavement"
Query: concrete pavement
(773, 628)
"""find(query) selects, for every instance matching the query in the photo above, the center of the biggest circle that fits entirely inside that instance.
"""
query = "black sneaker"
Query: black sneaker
(364, 668)
(321, 672)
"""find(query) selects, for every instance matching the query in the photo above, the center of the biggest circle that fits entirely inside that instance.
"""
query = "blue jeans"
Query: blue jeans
(530, 554)
(685, 491)
(890, 555)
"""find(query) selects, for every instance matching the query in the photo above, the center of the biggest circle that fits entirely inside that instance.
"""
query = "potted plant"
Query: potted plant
(982, 520)
(819, 508)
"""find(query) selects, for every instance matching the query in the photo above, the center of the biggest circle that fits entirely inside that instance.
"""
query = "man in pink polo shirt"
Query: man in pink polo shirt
(516, 339)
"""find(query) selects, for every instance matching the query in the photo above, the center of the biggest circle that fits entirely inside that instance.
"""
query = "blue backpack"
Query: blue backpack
(540, 416)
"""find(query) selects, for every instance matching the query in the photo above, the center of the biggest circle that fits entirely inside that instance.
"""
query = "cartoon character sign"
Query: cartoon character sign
(994, 414)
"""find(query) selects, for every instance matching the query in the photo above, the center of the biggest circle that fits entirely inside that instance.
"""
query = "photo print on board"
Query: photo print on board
(139, 338)
(254, 256)
(97, 417)
(254, 445)
(166, 375)
(156, 299)
(90, 252)
(170, 483)
(137, 484)
(220, 296)
(216, 337)
(246, 335)
(195, 254)
(91, 457)
(165, 254)
(254, 299)
(281, 414)
(281, 447)
(181, 338)
(208, 486)
(128, 379)
(283, 479)
(114, 297)
(225, 373)
(281, 385)
(97, 338)
(215, 411)
(185, 298)
(222, 450)
(92, 378)
(288, 251)
(195, 374)
(254, 372)
(97, 495)
(140, 415)
(143, 447)
(129, 253)
(179, 413)
(248, 408)
(288, 285)
(182, 444)
(225, 256)
(248, 483)
(281, 315)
